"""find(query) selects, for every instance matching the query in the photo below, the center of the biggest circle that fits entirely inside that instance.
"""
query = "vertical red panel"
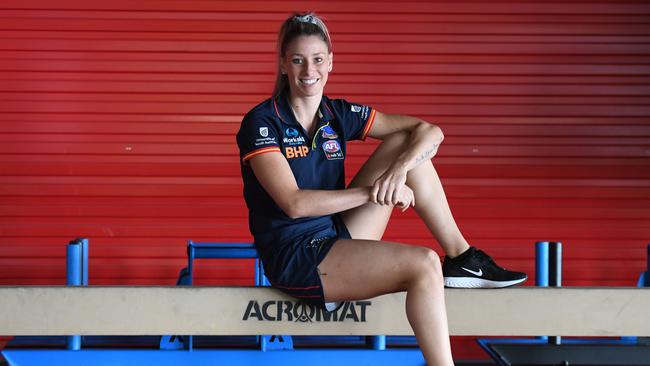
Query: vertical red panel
(117, 122)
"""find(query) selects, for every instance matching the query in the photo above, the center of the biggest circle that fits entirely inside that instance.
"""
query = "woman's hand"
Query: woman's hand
(391, 189)
(405, 198)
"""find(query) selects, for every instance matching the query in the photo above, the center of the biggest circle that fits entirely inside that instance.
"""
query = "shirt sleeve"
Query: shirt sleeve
(257, 135)
(356, 119)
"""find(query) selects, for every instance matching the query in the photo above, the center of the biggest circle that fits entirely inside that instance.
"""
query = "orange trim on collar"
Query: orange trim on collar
(275, 105)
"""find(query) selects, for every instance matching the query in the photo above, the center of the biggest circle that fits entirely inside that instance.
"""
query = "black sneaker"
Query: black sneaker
(475, 269)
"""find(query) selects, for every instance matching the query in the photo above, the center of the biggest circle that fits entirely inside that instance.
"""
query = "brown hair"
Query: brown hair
(306, 24)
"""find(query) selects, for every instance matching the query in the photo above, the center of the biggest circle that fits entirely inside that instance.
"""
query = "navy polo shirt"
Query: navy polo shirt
(316, 162)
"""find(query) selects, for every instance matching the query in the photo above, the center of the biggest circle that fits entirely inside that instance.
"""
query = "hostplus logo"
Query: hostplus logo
(282, 310)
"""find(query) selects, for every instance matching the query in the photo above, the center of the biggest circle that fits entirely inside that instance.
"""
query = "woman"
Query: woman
(321, 241)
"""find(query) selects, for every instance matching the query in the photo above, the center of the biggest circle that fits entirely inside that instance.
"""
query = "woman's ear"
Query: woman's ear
(331, 65)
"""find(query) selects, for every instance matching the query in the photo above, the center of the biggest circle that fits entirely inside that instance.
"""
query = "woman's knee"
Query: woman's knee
(427, 267)
(431, 259)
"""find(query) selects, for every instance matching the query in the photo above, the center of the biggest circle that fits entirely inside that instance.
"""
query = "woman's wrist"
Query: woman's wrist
(367, 191)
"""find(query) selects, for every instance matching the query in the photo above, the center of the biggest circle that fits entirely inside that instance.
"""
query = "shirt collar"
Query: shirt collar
(283, 109)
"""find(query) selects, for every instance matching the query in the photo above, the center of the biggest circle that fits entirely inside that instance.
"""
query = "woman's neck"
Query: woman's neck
(305, 110)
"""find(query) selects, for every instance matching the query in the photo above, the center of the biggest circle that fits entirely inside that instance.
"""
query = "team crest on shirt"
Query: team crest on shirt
(329, 133)
(355, 108)
(332, 150)
(264, 131)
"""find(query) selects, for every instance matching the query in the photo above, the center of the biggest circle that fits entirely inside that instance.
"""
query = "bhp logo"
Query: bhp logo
(296, 152)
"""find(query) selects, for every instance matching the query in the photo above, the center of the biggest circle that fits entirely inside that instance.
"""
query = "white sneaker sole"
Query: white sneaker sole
(473, 282)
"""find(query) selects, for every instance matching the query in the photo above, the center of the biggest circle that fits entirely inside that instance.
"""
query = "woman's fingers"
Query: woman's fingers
(410, 197)
(381, 194)
(395, 197)
(374, 192)
(388, 188)
(391, 189)
(388, 195)
(384, 190)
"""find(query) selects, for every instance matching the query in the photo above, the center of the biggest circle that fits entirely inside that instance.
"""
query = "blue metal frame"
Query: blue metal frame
(135, 357)
(222, 250)
(206, 250)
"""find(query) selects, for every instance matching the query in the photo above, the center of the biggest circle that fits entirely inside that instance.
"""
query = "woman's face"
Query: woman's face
(307, 63)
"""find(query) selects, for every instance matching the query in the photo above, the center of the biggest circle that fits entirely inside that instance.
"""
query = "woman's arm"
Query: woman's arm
(274, 174)
(424, 140)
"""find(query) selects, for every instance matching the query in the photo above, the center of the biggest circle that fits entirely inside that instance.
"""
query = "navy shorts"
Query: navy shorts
(293, 267)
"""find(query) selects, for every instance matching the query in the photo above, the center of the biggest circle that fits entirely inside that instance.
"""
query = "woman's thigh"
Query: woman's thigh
(369, 221)
(361, 269)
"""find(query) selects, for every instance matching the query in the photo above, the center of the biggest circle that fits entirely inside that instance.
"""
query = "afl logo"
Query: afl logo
(331, 146)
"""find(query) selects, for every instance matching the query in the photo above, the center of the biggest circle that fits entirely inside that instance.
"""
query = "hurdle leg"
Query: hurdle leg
(191, 253)
(378, 342)
(270, 342)
(76, 275)
(646, 282)
(176, 342)
(548, 271)
(555, 276)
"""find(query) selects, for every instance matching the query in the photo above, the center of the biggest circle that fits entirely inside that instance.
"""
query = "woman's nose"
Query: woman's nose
(309, 65)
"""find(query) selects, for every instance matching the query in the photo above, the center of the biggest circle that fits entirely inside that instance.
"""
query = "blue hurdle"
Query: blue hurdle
(174, 350)
(220, 250)
(138, 350)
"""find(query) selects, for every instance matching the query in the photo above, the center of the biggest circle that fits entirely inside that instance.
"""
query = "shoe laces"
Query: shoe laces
(484, 257)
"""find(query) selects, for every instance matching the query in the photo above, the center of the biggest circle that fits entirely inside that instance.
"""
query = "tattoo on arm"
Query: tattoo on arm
(427, 154)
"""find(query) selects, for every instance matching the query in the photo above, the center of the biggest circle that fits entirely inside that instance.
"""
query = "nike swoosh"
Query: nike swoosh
(476, 273)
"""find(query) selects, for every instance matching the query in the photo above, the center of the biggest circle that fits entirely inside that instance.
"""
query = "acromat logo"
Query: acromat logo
(297, 311)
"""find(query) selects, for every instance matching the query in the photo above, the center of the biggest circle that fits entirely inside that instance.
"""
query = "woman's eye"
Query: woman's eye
(318, 60)
(296, 61)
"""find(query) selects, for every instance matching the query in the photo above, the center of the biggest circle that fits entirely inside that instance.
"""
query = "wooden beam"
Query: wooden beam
(523, 311)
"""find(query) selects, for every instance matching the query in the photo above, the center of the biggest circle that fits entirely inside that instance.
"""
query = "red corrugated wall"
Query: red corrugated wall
(117, 123)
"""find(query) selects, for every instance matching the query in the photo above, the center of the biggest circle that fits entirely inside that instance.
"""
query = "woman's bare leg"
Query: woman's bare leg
(394, 267)
(362, 269)
(432, 206)
(430, 200)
